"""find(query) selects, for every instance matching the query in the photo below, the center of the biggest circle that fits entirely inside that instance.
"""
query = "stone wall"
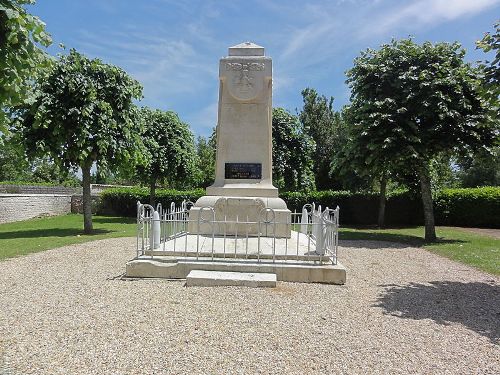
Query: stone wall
(38, 189)
(15, 207)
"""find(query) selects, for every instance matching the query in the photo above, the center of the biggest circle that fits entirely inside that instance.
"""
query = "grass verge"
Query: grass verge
(480, 251)
(30, 236)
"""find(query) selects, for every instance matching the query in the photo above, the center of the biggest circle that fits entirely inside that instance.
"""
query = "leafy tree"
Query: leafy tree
(21, 59)
(45, 170)
(323, 124)
(491, 43)
(14, 165)
(205, 149)
(170, 148)
(83, 113)
(292, 153)
(411, 102)
(352, 160)
(479, 169)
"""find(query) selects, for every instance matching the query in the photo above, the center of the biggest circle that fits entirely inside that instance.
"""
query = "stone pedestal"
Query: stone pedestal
(243, 188)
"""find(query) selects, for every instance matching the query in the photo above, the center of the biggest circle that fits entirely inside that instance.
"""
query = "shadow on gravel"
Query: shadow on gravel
(476, 305)
(346, 239)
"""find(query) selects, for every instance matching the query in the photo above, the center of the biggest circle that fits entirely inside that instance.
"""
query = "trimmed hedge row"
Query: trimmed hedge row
(123, 201)
(361, 208)
(476, 207)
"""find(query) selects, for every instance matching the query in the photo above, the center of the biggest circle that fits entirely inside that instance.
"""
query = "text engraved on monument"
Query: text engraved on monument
(245, 66)
(247, 171)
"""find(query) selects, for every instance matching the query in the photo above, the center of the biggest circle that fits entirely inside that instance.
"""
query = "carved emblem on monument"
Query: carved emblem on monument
(246, 79)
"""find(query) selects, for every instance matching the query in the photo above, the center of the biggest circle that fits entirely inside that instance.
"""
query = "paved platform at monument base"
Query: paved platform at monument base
(217, 278)
(178, 267)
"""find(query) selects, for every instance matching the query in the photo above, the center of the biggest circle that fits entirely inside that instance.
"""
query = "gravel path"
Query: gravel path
(403, 310)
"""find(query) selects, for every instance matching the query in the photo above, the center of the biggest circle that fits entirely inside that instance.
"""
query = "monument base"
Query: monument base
(240, 216)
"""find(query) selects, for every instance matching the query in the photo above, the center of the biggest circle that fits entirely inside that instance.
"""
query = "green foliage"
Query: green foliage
(412, 101)
(21, 59)
(292, 153)
(479, 207)
(360, 208)
(45, 170)
(459, 207)
(206, 151)
(479, 169)
(14, 165)
(326, 128)
(170, 149)
(84, 112)
(123, 201)
(491, 43)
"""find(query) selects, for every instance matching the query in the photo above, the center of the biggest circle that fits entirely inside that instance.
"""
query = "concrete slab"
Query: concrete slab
(170, 267)
(218, 278)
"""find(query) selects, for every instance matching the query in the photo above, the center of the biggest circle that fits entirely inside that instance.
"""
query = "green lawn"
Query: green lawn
(473, 249)
(34, 235)
(24, 237)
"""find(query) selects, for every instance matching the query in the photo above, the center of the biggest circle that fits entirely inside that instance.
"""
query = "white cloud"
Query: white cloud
(425, 13)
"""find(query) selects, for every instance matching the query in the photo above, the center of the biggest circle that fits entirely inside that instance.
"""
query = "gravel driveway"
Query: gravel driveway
(403, 310)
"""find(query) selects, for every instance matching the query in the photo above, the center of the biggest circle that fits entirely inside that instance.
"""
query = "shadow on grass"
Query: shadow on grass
(410, 240)
(475, 305)
(55, 232)
(114, 220)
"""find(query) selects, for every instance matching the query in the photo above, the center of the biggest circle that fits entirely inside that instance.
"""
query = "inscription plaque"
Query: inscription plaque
(247, 171)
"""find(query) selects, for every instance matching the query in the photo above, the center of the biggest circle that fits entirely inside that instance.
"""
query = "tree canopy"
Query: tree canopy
(410, 102)
(292, 153)
(83, 112)
(170, 149)
(21, 58)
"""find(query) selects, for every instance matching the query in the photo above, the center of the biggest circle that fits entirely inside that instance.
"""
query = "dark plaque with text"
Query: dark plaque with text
(249, 171)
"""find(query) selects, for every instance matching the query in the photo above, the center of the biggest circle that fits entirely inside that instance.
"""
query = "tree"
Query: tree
(206, 151)
(14, 165)
(412, 102)
(491, 43)
(170, 148)
(21, 59)
(479, 169)
(352, 162)
(292, 153)
(322, 124)
(83, 113)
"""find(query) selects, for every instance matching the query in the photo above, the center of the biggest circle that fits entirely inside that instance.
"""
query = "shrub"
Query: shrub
(123, 201)
(475, 207)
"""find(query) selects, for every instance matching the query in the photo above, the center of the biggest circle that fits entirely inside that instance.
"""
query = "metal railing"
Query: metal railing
(165, 232)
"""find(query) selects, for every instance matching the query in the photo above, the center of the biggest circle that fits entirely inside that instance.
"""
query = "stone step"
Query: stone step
(219, 278)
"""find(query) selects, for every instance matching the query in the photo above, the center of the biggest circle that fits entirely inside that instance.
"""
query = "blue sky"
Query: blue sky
(173, 46)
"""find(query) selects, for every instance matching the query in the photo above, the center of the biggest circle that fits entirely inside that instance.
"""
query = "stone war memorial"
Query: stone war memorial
(240, 232)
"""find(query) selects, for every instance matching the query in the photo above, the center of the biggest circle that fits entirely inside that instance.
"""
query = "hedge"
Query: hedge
(123, 201)
(475, 207)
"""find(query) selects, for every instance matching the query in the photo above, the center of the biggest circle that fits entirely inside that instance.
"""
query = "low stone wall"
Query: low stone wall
(15, 207)
(77, 204)
(38, 189)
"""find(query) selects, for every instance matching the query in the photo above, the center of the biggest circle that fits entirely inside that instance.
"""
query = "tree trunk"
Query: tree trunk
(87, 200)
(382, 200)
(152, 192)
(425, 189)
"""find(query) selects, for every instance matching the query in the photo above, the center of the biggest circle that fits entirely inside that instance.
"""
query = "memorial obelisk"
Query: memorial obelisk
(243, 186)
